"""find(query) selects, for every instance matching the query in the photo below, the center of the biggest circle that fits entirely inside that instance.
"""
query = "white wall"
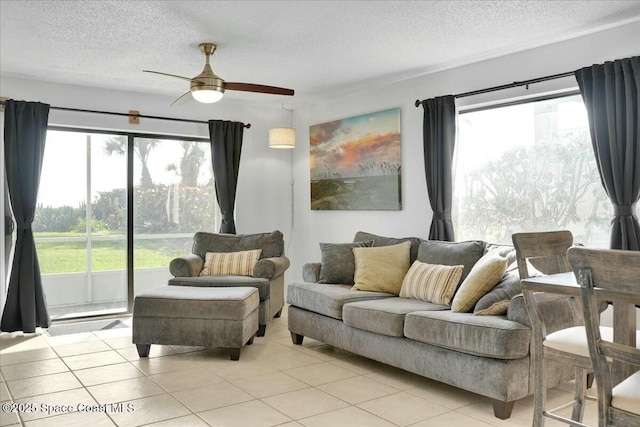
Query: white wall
(312, 227)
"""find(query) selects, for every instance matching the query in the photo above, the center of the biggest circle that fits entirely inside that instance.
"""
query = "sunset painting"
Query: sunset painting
(356, 164)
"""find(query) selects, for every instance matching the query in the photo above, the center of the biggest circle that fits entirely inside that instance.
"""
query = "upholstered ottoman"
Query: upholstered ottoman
(197, 316)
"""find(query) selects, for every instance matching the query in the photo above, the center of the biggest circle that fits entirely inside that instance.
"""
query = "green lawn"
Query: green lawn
(66, 257)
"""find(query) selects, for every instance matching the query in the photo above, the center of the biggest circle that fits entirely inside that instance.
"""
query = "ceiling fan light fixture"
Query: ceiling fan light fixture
(282, 138)
(207, 95)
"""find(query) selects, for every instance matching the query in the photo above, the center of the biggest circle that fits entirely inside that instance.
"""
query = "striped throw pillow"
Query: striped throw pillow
(230, 263)
(431, 283)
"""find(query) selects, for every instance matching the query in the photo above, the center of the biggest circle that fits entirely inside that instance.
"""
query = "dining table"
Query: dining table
(624, 314)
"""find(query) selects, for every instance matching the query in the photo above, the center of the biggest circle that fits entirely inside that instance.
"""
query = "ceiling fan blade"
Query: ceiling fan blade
(182, 100)
(250, 87)
(165, 74)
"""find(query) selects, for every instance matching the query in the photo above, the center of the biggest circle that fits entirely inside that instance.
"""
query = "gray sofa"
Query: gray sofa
(267, 276)
(484, 354)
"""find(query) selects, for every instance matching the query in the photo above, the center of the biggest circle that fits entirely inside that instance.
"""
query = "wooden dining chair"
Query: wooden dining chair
(546, 253)
(617, 273)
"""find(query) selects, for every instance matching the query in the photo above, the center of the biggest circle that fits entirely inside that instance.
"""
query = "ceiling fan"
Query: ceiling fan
(207, 87)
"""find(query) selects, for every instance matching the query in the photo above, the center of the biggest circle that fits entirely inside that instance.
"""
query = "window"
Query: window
(80, 225)
(528, 167)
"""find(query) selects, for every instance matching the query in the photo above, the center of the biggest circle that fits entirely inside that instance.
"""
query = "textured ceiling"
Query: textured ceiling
(315, 47)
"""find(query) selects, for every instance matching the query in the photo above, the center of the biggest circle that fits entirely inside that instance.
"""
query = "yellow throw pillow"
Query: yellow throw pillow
(381, 269)
(431, 282)
(230, 263)
(483, 277)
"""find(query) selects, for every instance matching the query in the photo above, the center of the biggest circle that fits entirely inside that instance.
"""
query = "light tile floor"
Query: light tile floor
(64, 380)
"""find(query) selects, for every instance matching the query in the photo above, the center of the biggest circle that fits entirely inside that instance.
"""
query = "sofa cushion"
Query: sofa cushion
(378, 241)
(327, 299)
(381, 269)
(485, 336)
(338, 264)
(264, 289)
(483, 277)
(272, 244)
(230, 263)
(431, 283)
(451, 253)
(384, 316)
(497, 300)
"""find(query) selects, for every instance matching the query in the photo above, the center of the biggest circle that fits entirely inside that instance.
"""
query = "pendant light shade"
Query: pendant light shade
(283, 137)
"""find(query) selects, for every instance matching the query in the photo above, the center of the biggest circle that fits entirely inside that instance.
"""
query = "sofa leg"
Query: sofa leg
(297, 338)
(143, 349)
(262, 329)
(277, 315)
(250, 341)
(502, 409)
(234, 353)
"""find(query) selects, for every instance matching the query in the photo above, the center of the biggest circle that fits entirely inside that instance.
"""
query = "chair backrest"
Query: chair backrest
(272, 244)
(616, 273)
(545, 251)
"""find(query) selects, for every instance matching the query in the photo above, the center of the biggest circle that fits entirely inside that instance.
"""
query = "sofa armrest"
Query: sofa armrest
(311, 272)
(270, 268)
(186, 266)
(558, 311)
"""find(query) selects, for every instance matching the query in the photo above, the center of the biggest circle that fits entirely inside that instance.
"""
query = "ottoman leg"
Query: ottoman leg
(234, 353)
(296, 338)
(143, 349)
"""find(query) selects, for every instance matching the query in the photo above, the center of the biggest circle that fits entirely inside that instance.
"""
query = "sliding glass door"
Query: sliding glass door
(83, 227)
(173, 197)
(80, 225)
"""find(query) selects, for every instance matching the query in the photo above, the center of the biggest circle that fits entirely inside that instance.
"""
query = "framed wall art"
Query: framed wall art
(356, 164)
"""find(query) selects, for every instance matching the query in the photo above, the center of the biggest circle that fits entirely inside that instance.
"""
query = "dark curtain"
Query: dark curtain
(25, 132)
(611, 93)
(226, 145)
(439, 137)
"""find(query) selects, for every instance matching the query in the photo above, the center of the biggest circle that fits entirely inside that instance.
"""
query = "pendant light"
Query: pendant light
(283, 137)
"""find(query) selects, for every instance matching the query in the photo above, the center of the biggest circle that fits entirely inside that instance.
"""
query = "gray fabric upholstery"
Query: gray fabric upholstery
(209, 317)
(452, 253)
(272, 244)
(502, 379)
(505, 290)
(384, 316)
(505, 251)
(311, 272)
(327, 299)
(270, 268)
(559, 311)
(338, 262)
(362, 236)
(268, 273)
(484, 336)
(186, 266)
(225, 281)
(196, 302)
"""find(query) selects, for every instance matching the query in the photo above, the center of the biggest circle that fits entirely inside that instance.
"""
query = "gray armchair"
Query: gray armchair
(268, 273)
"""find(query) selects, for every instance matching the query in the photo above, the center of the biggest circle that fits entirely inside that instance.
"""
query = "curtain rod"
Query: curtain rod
(80, 110)
(507, 86)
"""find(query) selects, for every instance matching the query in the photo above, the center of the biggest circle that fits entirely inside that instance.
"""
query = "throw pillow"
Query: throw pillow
(497, 300)
(483, 277)
(230, 263)
(378, 241)
(431, 283)
(338, 263)
(381, 269)
(451, 253)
